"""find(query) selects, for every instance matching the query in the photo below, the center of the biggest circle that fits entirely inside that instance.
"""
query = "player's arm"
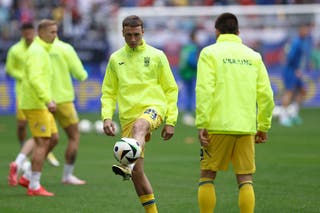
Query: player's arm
(170, 89)
(38, 77)
(109, 92)
(205, 88)
(11, 67)
(264, 99)
(75, 65)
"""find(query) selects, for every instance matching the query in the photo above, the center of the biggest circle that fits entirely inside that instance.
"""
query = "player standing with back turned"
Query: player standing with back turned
(234, 103)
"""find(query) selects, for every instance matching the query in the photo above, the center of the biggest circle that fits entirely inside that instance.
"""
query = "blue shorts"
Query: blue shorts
(291, 81)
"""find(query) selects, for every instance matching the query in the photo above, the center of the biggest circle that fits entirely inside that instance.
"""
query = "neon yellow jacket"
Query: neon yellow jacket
(66, 64)
(36, 84)
(139, 78)
(233, 91)
(15, 63)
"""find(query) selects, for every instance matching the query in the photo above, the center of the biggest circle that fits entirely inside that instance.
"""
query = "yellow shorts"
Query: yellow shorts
(223, 149)
(41, 122)
(149, 115)
(66, 114)
(20, 115)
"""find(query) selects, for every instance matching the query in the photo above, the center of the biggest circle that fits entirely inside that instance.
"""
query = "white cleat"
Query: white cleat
(73, 180)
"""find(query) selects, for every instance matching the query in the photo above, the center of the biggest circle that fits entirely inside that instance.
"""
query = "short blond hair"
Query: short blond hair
(44, 23)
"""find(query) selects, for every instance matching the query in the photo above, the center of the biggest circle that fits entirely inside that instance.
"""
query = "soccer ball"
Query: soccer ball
(127, 151)
(98, 126)
(85, 126)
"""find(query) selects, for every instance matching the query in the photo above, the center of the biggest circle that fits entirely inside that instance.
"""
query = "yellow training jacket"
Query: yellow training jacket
(139, 78)
(15, 63)
(66, 64)
(233, 91)
(36, 83)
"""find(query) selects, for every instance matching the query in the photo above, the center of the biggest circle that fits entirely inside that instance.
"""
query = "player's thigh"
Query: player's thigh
(243, 157)
(66, 114)
(150, 115)
(217, 155)
(41, 122)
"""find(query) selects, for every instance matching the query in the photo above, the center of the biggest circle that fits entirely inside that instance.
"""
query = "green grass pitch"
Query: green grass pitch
(287, 177)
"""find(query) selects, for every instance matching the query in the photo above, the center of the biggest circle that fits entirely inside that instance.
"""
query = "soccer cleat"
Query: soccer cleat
(296, 120)
(39, 192)
(24, 182)
(286, 122)
(123, 171)
(73, 180)
(13, 174)
(52, 159)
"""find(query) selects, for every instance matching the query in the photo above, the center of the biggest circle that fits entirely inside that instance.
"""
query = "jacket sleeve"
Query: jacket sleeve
(170, 89)
(109, 92)
(75, 65)
(37, 75)
(11, 67)
(205, 88)
(264, 99)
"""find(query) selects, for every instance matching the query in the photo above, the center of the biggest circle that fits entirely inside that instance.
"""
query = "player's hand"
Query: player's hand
(261, 137)
(167, 132)
(203, 137)
(109, 128)
(52, 107)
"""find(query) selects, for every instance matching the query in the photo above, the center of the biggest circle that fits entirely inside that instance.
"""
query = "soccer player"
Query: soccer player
(15, 65)
(296, 63)
(234, 103)
(65, 63)
(37, 102)
(138, 77)
(188, 73)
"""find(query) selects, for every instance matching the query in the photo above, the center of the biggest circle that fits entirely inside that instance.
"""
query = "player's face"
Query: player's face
(49, 34)
(133, 35)
(28, 35)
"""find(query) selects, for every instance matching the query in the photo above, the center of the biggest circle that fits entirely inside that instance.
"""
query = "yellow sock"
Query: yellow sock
(149, 203)
(206, 195)
(246, 197)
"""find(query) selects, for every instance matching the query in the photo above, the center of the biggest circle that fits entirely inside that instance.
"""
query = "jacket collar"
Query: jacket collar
(229, 37)
(139, 48)
(44, 44)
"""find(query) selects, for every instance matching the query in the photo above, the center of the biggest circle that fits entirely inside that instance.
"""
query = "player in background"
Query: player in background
(66, 64)
(188, 73)
(297, 62)
(138, 77)
(234, 103)
(15, 65)
(37, 102)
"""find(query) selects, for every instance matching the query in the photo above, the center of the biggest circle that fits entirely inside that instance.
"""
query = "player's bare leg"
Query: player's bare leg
(39, 155)
(22, 131)
(284, 117)
(141, 183)
(73, 135)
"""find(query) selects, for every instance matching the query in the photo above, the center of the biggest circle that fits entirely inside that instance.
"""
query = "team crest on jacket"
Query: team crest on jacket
(146, 61)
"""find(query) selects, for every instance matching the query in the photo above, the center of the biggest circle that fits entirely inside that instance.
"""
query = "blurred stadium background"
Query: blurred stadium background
(93, 27)
(288, 165)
